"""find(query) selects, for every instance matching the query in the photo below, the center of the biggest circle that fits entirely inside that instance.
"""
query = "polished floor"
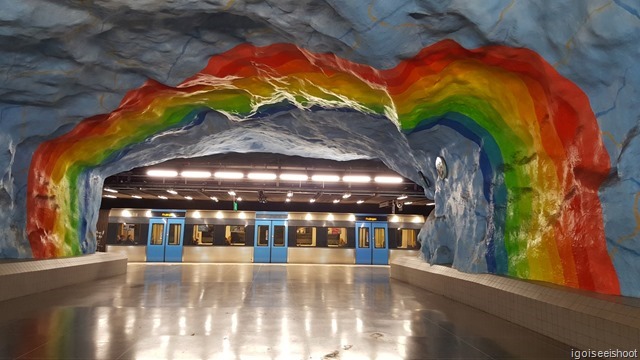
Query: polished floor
(250, 311)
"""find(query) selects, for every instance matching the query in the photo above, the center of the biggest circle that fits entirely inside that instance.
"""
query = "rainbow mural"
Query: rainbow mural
(508, 100)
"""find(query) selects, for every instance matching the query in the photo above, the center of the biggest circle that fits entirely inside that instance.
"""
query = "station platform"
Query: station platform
(256, 311)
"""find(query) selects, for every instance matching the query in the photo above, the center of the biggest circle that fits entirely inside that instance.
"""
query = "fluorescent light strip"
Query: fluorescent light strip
(430, 204)
(136, 197)
(195, 174)
(188, 197)
(359, 201)
(408, 202)
(356, 178)
(110, 196)
(162, 173)
(402, 197)
(335, 201)
(325, 178)
(388, 179)
(293, 177)
(172, 192)
(262, 176)
(162, 197)
(111, 190)
(214, 198)
(228, 175)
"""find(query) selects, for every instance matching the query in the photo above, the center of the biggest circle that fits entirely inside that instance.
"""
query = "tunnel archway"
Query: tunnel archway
(540, 159)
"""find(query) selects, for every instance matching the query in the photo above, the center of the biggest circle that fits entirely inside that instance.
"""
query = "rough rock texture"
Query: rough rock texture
(63, 61)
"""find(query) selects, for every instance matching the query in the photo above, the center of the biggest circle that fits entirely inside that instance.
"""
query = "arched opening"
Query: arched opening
(521, 198)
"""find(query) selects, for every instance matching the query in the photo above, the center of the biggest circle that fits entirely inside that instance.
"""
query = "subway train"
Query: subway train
(213, 236)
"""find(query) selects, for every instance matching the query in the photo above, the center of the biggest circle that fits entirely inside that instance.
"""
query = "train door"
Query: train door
(166, 238)
(271, 241)
(372, 246)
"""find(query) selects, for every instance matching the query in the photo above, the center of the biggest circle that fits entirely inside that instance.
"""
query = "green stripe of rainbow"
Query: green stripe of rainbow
(511, 95)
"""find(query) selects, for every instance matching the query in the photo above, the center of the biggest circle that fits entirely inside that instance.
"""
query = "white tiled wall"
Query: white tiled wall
(578, 318)
(24, 277)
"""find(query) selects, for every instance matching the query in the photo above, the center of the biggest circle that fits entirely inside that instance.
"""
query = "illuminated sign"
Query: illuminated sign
(168, 213)
(371, 218)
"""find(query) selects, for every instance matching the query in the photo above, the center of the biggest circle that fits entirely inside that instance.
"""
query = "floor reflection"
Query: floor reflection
(187, 311)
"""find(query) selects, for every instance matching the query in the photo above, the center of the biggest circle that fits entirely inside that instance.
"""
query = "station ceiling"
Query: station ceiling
(260, 180)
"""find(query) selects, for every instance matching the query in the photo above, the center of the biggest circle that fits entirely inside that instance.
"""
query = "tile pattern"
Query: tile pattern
(582, 319)
(246, 311)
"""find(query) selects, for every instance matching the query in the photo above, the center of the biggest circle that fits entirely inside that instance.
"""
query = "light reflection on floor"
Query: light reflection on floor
(207, 311)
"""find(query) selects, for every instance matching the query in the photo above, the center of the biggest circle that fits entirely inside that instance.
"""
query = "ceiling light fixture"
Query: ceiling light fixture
(261, 176)
(172, 192)
(287, 200)
(162, 197)
(195, 174)
(136, 197)
(346, 195)
(359, 201)
(214, 198)
(312, 200)
(289, 194)
(238, 199)
(356, 178)
(111, 190)
(402, 197)
(430, 204)
(294, 177)
(231, 192)
(228, 175)
(388, 179)
(162, 173)
(408, 202)
(110, 196)
(188, 197)
(335, 201)
(325, 178)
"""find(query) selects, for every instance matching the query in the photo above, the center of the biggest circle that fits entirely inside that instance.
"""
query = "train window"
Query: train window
(407, 239)
(128, 234)
(306, 236)
(337, 237)
(157, 231)
(379, 238)
(234, 235)
(263, 235)
(363, 236)
(278, 235)
(175, 231)
(202, 235)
